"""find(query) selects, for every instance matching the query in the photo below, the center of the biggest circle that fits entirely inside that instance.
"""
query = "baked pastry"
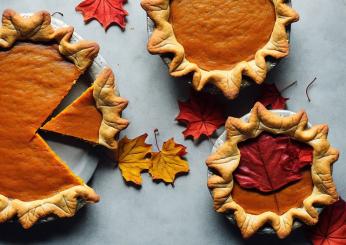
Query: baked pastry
(95, 116)
(253, 209)
(38, 67)
(219, 41)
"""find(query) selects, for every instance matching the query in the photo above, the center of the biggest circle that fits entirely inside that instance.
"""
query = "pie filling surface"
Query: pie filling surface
(292, 195)
(81, 119)
(218, 34)
(34, 78)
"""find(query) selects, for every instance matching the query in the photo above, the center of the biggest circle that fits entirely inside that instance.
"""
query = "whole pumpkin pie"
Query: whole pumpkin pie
(38, 67)
(272, 170)
(219, 41)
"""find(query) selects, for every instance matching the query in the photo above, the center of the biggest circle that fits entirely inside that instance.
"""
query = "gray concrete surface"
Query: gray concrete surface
(160, 214)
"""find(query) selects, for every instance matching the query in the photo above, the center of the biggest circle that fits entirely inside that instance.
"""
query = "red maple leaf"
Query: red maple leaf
(272, 98)
(270, 162)
(331, 227)
(201, 115)
(106, 12)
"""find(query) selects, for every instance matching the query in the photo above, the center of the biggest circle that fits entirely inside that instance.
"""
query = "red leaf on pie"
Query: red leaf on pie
(272, 98)
(270, 162)
(201, 115)
(331, 227)
(106, 12)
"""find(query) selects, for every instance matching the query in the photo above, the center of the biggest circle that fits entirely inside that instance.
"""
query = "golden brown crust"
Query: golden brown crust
(38, 28)
(226, 159)
(63, 204)
(111, 106)
(163, 41)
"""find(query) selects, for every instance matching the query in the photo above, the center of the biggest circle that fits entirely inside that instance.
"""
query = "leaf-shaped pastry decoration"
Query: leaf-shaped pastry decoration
(225, 160)
(201, 115)
(167, 163)
(272, 98)
(270, 162)
(132, 157)
(106, 12)
(331, 228)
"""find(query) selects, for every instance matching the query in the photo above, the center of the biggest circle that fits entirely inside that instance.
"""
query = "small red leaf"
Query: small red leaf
(201, 115)
(270, 162)
(272, 98)
(106, 12)
(331, 227)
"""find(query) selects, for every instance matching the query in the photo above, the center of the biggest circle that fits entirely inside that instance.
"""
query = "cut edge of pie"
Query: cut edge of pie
(38, 28)
(101, 99)
(227, 157)
(163, 41)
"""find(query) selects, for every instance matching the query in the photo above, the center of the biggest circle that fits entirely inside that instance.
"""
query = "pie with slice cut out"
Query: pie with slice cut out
(38, 67)
(285, 177)
(220, 41)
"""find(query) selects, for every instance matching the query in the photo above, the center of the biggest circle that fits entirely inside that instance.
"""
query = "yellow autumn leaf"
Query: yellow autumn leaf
(167, 163)
(132, 157)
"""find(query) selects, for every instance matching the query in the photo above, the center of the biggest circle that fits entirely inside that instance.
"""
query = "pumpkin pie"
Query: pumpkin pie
(221, 41)
(95, 116)
(296, 194)
(38, 67)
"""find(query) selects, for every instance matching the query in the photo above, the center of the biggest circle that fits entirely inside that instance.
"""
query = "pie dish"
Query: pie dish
(219, 43)
(38, 67)
(301, 200)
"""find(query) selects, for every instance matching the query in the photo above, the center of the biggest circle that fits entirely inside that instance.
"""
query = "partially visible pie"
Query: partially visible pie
(38, 67)
(277, 202)
(220, 41)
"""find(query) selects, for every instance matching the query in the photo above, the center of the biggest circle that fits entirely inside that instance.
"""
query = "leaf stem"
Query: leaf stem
(308, 87)
(287, 87)
(57, 12)
(156, 133)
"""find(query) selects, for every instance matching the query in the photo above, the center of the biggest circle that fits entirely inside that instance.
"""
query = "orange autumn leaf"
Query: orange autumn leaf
(132, 157)
(167, 163)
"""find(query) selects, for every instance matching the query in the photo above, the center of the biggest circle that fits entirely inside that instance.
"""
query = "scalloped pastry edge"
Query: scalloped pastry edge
(63, 204)
(163, 41)
(38, 28)
(111, 106)
(226, 159)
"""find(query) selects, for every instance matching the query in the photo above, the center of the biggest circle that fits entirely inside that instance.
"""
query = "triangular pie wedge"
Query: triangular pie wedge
(38, 66)
(95, 115)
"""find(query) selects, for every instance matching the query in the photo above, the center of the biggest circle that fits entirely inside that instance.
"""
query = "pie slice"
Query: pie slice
(219, 41)
(95, 115)
(292, 194)
(38, 66)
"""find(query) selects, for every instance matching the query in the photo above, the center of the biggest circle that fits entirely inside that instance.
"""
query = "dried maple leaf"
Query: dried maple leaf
(270, 162)
(331, 227)
(168, 162)
(201, 115)
(106, 12)
(272, 98)
(132, 157)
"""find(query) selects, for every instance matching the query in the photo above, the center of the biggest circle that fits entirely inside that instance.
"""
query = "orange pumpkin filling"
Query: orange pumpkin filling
(34, 78)
(255, 202)
(218, 34)
(81, 119)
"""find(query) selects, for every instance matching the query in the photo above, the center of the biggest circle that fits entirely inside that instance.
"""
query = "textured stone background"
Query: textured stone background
(159, 214)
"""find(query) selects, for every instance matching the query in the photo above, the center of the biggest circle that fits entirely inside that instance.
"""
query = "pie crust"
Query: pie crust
(164, 42)
(64, 202)
(226, 159)
(95, 116)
